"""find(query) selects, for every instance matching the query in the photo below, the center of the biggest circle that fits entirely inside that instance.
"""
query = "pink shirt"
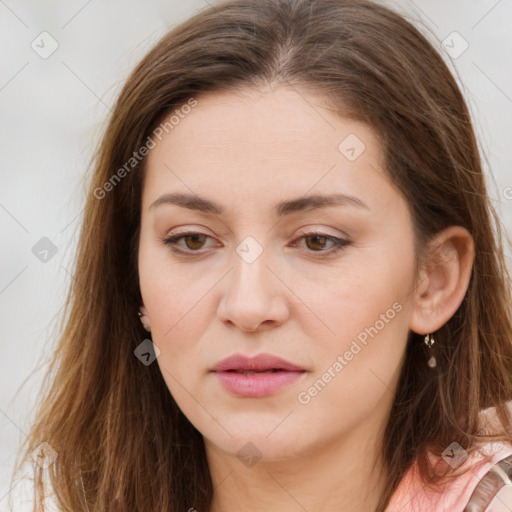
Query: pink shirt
(410, 496)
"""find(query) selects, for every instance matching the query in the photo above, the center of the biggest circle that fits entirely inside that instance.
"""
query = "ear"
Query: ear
(443, 279)
(143, 310)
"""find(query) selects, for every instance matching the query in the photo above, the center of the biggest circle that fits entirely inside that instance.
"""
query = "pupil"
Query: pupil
(195, 238)
(316, 238)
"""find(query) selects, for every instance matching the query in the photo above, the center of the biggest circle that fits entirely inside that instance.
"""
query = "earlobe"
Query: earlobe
(144, 318)
(444, 279)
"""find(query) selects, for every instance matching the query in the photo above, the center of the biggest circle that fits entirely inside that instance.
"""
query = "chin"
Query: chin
(258, 446)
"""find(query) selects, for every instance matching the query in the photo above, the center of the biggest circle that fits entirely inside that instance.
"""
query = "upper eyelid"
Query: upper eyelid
(175, 238)
(304, 233)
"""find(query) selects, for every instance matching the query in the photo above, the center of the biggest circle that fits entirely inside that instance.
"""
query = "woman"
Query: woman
(289, 197)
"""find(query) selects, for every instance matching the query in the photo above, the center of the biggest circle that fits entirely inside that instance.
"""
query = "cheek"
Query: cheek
(356, 295)
(361, 313)
(176, 323)
(177, 319)
(169, 292)
(356, 368)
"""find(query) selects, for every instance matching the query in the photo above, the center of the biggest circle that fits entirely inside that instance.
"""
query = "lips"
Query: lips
(262, 363)
(256, 377)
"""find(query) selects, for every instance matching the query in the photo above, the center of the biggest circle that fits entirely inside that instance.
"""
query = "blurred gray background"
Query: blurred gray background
(63, 63)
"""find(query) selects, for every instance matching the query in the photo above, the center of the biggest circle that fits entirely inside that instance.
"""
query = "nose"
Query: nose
(254, 297)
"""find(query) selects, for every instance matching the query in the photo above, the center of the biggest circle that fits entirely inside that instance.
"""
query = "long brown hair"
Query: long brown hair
(122, 442)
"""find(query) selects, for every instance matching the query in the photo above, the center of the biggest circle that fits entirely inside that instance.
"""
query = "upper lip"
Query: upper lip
(261, 362)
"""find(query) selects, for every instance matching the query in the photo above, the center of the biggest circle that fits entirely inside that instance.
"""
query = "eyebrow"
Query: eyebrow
(306, 203)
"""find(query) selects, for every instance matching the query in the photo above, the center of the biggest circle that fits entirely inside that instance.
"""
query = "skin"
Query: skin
(298, 299)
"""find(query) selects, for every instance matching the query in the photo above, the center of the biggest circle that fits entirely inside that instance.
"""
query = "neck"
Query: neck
(341, 475)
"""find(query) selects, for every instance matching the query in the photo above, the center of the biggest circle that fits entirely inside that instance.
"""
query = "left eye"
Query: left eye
(194, 241)
(321, 238)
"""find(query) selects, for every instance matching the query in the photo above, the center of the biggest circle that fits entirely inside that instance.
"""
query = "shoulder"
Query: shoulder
(493, 492)
(466, 493)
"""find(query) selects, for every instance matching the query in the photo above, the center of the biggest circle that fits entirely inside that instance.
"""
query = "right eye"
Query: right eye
(193, 241)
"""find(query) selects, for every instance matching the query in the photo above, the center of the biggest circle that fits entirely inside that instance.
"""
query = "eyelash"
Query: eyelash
(339, 243)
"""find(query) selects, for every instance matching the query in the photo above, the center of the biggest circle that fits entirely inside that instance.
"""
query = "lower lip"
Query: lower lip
(257, 384)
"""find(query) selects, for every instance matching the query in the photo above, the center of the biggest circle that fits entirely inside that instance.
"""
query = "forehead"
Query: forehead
(265, 142)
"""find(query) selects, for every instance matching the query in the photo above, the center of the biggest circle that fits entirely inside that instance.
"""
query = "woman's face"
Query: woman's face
(260, 278)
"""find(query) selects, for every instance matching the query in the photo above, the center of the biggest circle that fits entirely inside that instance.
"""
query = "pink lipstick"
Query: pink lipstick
(257, 376)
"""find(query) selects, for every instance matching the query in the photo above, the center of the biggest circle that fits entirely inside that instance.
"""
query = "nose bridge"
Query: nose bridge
(250, 273)
(252, 293)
